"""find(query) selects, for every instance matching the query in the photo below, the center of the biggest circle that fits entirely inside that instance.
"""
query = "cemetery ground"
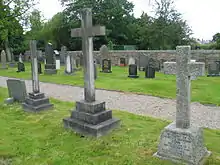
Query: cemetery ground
(28, 138)
(205, 90)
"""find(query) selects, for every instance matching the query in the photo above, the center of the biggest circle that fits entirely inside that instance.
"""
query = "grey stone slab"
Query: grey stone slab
(3, 60)
(50, 66)
(182, 145)
(17, 89)
(90, 107)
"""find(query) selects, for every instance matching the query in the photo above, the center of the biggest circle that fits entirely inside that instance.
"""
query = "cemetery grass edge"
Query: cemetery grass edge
(28, 138)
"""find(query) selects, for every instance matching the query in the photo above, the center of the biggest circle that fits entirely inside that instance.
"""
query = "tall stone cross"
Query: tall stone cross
(183, 85)
(87, 31)
(34, 67)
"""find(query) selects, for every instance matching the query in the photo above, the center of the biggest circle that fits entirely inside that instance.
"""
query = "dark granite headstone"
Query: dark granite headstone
(214, 69)
(122, 62)
(39, 68)
(106, 66)
(21, 67)
(50, 67)
(95, 71)
(149, 72)
(16, 89)
(133, 71)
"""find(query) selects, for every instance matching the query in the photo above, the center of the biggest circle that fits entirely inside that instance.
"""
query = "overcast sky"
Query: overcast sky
(203, 16)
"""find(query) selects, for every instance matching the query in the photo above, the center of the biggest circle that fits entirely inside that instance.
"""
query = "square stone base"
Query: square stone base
(133, 76)
(36, 103)
(182, 145)
(106, 71)
(91, 119)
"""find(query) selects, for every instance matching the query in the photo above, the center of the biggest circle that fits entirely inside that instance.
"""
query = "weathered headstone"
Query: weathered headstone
(57, 56)
(180, 141)
(36, 101)
(95, 71)
(90, 117)
(50, 66)
(133, 71)
(20, 59)
(69, 69)
(122, 62)
(21, 67)
(106, 66)
(39, 68)
(3, 60)
(104, 53)
(63, 54)
(143, 62)
(16, 90)
(150, 69)
(131, 60)
(214, 69)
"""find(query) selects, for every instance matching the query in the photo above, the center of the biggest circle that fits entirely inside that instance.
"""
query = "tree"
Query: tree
(12, 13)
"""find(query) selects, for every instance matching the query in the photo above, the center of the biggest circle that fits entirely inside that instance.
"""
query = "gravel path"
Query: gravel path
(205, 116)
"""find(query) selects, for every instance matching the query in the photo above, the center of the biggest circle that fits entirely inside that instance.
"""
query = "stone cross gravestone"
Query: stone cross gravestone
(50, 66)
(133, 71)
(3, 60)
(57, 56)
(106, 66)
(36, 101)
(180, 141)
(90, 117)
(17, 90)
(63, 54)
(214, 69)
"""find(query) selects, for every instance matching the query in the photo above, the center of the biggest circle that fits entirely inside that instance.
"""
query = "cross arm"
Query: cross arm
(94, 31)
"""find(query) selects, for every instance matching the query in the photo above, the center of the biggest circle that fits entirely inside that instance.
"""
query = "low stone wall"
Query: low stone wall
(197, 69)
(159, 55)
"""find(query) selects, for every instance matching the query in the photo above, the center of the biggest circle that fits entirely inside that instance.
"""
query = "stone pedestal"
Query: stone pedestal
(36, 102)
(91, 119)
(50, 69)
(182, 145)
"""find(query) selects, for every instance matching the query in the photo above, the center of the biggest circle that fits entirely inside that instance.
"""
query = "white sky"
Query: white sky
(203, 16)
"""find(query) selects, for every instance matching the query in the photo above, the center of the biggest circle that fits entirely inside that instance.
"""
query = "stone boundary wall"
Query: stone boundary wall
(160, 55)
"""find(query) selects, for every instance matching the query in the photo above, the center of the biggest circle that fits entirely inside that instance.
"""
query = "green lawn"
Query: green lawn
(204, 90)
(40, 139)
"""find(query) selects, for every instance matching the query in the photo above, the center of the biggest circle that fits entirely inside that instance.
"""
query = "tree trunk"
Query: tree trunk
(7, 49)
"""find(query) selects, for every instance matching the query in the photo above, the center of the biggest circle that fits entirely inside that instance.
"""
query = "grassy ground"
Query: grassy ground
(204, 89)
(40, 139)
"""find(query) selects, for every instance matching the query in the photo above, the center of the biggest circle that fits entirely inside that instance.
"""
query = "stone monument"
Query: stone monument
(180, 141)
(106, 66)
(133, 71)
(35, 101)
(90, 117)
(50, 66)
(3, 60)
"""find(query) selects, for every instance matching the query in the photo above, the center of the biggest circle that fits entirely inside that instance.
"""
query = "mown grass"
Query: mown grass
(40, 139)
(204, 90)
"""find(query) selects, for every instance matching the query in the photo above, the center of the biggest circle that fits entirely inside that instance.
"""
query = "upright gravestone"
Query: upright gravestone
(133, 71)
(150, 69)
(36, 101)
(214, 69)
(106, 66)
(50, 66)
(69, 69)
(57, 55)
(95, 71)
(90, 117)
(3, 60)
(180, 141)
(131, 60)
(39, 67)
(21, 66)
(104, 52)
(16, 90)
(122, 62)
(62, 55)
(143, 62)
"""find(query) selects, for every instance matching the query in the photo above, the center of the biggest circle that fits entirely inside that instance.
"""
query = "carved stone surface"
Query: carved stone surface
(197, 69)
(182, 145)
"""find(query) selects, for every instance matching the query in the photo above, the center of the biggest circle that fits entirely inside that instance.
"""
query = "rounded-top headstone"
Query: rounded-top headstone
(104, 52)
